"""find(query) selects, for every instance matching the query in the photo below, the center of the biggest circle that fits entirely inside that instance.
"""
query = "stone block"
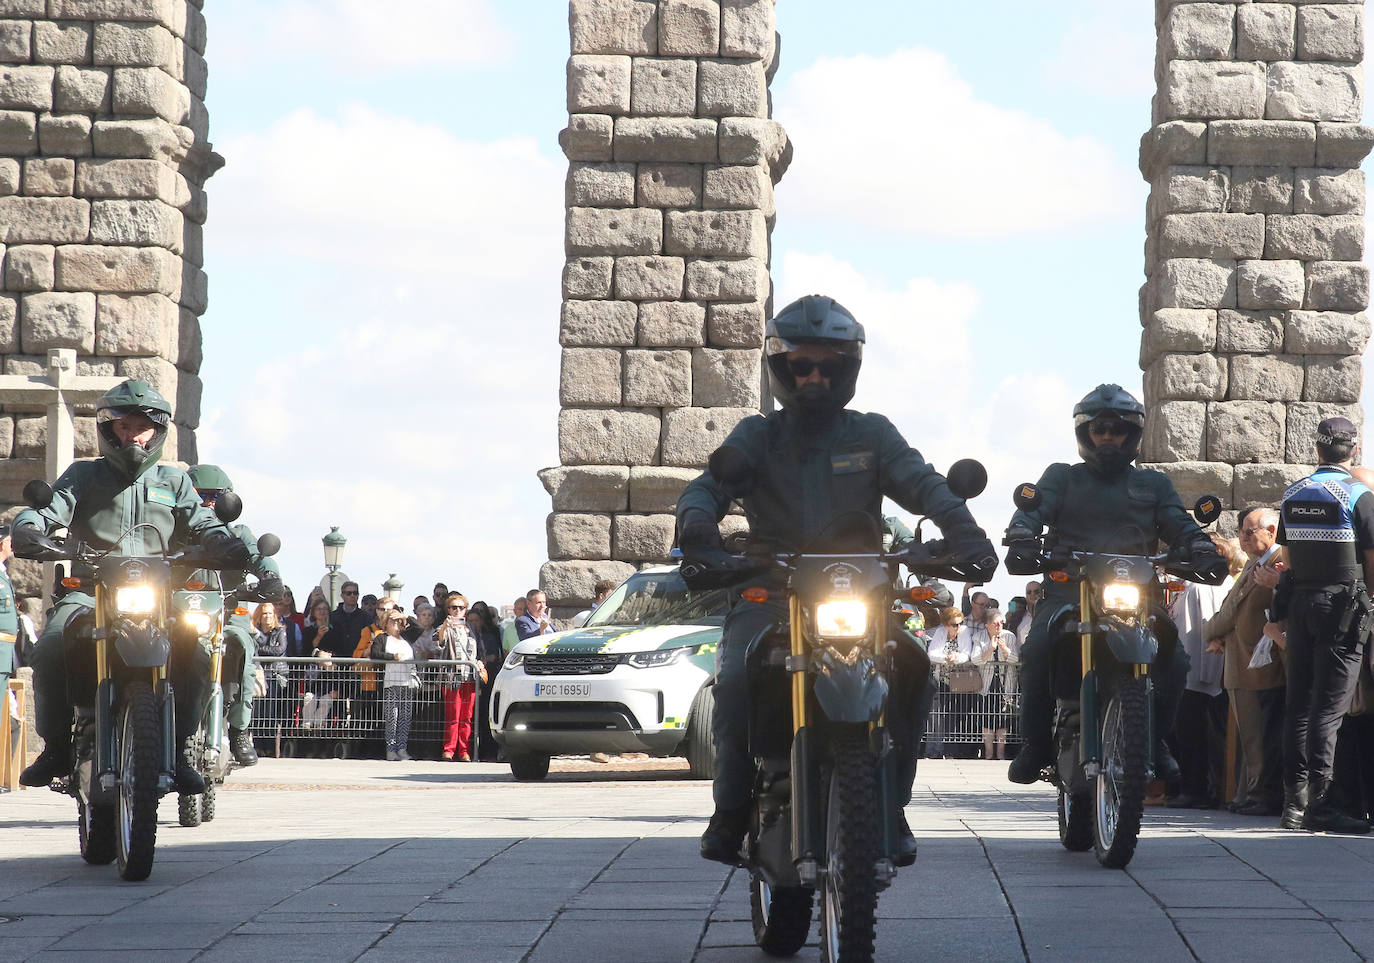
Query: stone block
(140, 10)
(579, 536)
(1211, 235)
(1189, 377)
(649, 278)
(1211, 90)
(81, 90)
(613, 26)
(599, 185)
(128, 270)
(1333, 378)
(658, 378)
(61, 43)
(15, 37)
(732, 88)
(1174, 142)
(150, 137)
(1187, 189)
(1245, 431)
(726, 378)
(598, 84)
(590, 376)
(135, 325)
(1329, 190)
(747, 29)
(1195, 283)
(1199, 31)
(727, 280)
(25, 87)
(671, 324)
(735, 325)
(573, 582)
(18, 133)
(691, 434)
(669, 185)
(29, 267)
(1343, 145)
(656, 489)
(595, 230)
(66, 134)
(1266, 377)
(663, 87)
(743, 187)
(1254, 332)
(9, 324)
(53, 320)
(1261, 143)
(1337, 286)
(158, 372)
(137, 222)
(189, 346)
(1313, 237)
(1325, 332)
(1178, 330)
(1264, 484)
(1301, 428)
(133, 45)
(1265, 31)
(716, 234)
(586, 278)
(587, 137)
(1269, 284)
(593, 488)
(608, 436)
(26, 220)
(1175, 431)
(1314, 91)
(9, 176)
(30, 436)
(1194, 479)
(7, 437)
(126, 178)
(755, 140)
(679, 139)
(597, 323)
(689, 28)
(1329, 32)
(150, 92)
(643, 538)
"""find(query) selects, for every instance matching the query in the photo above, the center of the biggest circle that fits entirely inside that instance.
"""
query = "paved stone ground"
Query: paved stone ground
(332, 860)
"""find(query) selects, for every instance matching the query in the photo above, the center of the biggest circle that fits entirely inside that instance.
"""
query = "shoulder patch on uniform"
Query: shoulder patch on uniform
(161, 496)
(849, 462)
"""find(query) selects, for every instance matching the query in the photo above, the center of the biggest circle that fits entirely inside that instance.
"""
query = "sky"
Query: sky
(384, 247)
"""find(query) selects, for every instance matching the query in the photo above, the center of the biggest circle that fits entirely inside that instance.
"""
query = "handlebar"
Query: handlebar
(727, 569)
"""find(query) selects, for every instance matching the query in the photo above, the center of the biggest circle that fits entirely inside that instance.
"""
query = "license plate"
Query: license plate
(561, 690)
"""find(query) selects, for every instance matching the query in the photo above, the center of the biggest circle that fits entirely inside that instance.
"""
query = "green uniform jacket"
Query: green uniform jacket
(9, 629)
(259, 565)
(804, 480)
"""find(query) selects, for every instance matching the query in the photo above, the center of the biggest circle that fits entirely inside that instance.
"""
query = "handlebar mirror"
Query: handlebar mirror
(732, 469)
(967, 478)
(1026, 497)
(228, 507)
(1207, 509)
(38, 494)
(268, 544)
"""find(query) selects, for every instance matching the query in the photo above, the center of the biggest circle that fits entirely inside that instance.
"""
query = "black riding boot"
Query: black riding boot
(1294, 805)
(241, 745)
(188, 779)
(1324, 816)
(53, 762)
(724, 835)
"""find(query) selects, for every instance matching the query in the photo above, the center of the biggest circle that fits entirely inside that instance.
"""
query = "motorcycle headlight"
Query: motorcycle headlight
(658, 657)
(514, 659)
(1120, 597)
(841, 620)
(199, 621)
(135, 600)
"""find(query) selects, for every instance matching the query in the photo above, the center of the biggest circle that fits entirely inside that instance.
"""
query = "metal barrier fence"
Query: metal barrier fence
(338, 706)
(970, 700)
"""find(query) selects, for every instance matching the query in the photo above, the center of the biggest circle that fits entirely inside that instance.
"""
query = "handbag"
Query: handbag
(965, 678)
(259, 683)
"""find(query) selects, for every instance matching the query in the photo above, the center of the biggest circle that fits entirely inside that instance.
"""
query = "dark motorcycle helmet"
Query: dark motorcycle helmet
(130, 398)
(1118, 404)
(209, 479)
(814, 319)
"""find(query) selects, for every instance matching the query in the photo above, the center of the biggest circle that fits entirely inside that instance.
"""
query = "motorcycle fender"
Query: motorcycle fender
(1132, 644)
(850, 693)
(143, 647)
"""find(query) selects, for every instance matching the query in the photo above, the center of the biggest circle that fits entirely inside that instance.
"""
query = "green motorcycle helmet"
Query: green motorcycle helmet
(209, 479)
(132, 397)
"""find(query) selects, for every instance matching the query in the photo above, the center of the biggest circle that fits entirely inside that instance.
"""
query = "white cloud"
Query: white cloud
(903, 144)
(362, 34)
(1108, 54)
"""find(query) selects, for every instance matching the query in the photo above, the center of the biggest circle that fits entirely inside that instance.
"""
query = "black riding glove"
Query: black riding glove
(28, 541)
(970, 546)
(1023, 557)
(1207, 563)
(227, 547)
(699, 535)
(269, 589)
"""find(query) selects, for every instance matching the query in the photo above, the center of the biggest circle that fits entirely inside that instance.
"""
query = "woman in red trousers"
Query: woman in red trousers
(454, 642)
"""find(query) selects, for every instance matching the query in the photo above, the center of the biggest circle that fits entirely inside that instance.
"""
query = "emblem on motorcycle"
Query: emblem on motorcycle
(1121, 569)
(194, 602)
(134, 573)
(842, 576)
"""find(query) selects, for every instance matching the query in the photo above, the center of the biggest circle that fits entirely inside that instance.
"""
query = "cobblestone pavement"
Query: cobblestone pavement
(332, 860)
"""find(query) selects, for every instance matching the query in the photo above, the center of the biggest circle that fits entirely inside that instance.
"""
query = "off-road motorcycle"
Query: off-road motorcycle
(1104, 733)
(825, 684)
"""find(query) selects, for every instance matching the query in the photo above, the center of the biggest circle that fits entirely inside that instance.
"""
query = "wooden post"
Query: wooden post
(13, 736)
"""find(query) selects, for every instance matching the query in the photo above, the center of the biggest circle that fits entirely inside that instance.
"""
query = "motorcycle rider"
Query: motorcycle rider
(211, 482)
(808, 464)
(98, 501)
(1101, 504)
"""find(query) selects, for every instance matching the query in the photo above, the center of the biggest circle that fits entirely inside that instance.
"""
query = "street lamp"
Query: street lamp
(391, 588)
(334, 544)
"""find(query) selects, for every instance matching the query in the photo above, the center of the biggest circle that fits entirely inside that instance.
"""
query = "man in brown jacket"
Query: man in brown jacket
(1257, 695)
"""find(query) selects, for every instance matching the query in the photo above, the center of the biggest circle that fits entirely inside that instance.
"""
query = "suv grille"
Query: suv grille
(594, 664)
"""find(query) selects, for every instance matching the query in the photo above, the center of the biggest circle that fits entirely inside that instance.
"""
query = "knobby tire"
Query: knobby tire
(1124, 774)
(95, 830)
(1076, 821)
(781, 917)
(140, 752)
(849, 906)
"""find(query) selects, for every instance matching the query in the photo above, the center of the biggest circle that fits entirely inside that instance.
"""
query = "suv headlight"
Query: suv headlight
(1120, 597)
(658, 657)
(514, 659)
(841, 620)
(199, 621)
(135, 600)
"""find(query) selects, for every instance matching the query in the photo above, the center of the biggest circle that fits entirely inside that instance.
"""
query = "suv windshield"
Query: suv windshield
(661, 598)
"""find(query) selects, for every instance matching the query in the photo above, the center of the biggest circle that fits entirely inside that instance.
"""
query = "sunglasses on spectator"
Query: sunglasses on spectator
(801, 367)
(456, 608)
(354, 592)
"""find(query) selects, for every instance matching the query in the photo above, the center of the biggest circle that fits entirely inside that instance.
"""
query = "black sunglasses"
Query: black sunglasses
(801, 367)
(456, 608)
(354, 592)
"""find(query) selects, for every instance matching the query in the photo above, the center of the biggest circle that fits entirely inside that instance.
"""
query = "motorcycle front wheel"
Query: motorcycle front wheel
(1120, 785)
(139, 742)
(849, 900)
(781, 917)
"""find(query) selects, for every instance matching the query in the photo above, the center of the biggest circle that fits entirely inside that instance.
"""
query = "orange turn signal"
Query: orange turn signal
(922, 593)
(1059, 576)
(1175, 585)
(194, 584)
(755, 593)
(71, 582)
(240, 610)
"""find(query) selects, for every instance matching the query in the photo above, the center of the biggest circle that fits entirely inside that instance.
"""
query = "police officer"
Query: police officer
(9, 621)
(239, 665)
(100, 502)
(1102, 504)
(1327, 522)
(808, 464)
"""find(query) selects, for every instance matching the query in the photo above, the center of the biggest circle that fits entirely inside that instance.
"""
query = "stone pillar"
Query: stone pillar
(103, 160)
(1253, 307)
(672, 162)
